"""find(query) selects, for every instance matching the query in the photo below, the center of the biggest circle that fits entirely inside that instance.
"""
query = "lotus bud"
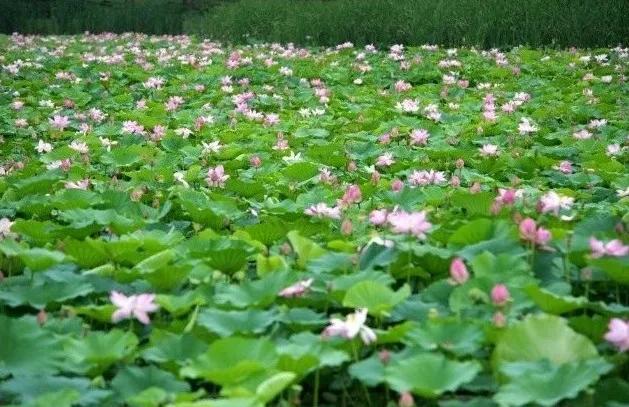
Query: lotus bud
(499, 320)
(384, 356)
(397, 185)
(255, 161)
(406, 400)
(458, 271)
(286, 249)
(455, 181)
(375, 177)
(346, 227)
(500, 295)
(42, 317)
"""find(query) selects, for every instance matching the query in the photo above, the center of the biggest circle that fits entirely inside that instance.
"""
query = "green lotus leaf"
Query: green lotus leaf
(300, 171)
(20, 337)
(43, 293)
(132, 380)
(274, 385)
(95, 352)
(38, 258)
(369, 371)
(253, 293)
(305, 248)
(430, 374)
(614, 267)
(30, 387)
(540, 337)
(458, 337)
(376, 297)
(552, 303)
(547, 384)
(60, 398)
(231, 361)
(227, 323)
(376, 255)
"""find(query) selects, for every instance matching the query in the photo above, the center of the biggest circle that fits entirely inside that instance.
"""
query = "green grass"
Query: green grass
(479, 22)
(486, 23)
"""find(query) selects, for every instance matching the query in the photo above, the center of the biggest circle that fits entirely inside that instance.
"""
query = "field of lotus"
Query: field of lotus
(195, 224)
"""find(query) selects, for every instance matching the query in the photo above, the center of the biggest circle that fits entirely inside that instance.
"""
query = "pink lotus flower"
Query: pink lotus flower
(385, 160)
(614, 248)
(401, 86)
(565, 167)
(158, 133)
(613, 149)
(216, 176)
(419, 137)
(83, 184)
(211, 147)
(59, 122)
(508, 196)
(385, 138)
(408, 106)
(597, 123)
(530, 232)
(79, 146)
(154, 82)
(326, 176)
(352, 195)
(618, 334)
(582, 134)
(458, 271)
(281, 143)
(500, 295)
(526, 127)
(5, 227)
(413, 223)
(133, 306)
(432, 112)
(490, 115)
(271, 119)
(553, 202)
(353, 325)
(505, 197)
(489, 150)
(509, 107)
(378, 217)
(296, 290)
(132, 127)
(43, 147)
(173, 103)
(423, 178)
(322, 210)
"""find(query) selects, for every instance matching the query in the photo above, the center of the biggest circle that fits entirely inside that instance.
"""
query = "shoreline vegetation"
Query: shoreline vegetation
(488, 23)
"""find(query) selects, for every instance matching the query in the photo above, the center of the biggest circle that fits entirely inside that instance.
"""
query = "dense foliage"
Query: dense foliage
(486, 23)
(193, 224)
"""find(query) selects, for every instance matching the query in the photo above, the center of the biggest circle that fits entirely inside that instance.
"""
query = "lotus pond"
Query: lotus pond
(190, 223)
